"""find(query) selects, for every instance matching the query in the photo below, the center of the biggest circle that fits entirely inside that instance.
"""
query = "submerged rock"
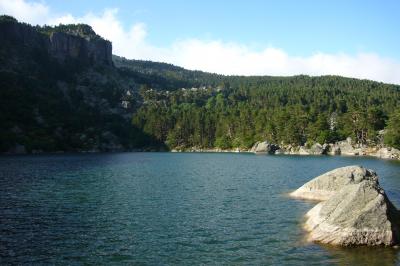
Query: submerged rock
(358, 214)
(326, 185)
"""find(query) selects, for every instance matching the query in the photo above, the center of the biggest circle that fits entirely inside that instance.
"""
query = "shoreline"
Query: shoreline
(374, 155)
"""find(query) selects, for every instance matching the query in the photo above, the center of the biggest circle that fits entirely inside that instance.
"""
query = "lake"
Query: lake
(170, 208)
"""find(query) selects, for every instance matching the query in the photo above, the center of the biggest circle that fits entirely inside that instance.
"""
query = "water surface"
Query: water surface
(170, 208)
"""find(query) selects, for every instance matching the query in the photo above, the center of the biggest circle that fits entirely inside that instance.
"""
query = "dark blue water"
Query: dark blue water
(170, 208)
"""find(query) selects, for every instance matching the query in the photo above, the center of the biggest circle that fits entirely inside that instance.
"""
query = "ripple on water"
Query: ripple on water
(163, 208)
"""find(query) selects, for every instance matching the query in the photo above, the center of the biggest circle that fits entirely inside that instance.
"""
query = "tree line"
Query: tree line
(294, 110)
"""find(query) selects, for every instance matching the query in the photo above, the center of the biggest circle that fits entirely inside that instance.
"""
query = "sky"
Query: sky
(358, 39)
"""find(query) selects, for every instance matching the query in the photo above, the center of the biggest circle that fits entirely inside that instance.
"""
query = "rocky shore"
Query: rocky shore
(354, 209)
(346, 147)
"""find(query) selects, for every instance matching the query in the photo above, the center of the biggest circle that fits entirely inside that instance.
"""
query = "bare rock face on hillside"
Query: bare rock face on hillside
(64, 45)
(326, 185)
(62, 42)
(354, 209)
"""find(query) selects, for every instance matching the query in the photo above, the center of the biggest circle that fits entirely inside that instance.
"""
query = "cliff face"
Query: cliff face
(13, 32)
(63, 42)
(63, 46)
(59, 91)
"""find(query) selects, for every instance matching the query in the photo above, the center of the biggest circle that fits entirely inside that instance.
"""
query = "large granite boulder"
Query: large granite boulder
(326, 185)
(333, 149)
(358, 214)
(388, 153)
(346, 147)
(354, 209)
(264, 147)
(315, 149)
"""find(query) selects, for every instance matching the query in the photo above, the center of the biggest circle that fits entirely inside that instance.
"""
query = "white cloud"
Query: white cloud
(212, 55)
(31, 12)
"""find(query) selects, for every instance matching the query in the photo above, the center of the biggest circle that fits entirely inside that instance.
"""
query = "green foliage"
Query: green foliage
(292, 110)
(392, 136)
(81, 30)
(223, 142)
(6, 18)
(50, 105)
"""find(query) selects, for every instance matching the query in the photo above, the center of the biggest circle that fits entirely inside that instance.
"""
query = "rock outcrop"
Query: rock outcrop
(345, 147)
(355, 210)
(264, 147)
(326, 185)
(333, 149)
(17, 33)
(359, 214)
(315, 149)
(62, 42)
(388, 153)
(63, 46)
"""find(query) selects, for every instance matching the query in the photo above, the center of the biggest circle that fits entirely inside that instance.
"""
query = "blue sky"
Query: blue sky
(349, 38)
(299, 27)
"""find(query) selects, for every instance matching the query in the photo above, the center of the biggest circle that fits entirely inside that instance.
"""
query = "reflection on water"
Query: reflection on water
(163, 208)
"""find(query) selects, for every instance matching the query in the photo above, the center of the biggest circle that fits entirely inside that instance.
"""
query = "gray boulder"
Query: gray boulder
(315, 149)
(264, 147)
(326, 185)
(388, 153)
(358, 214)
(346, 147)
(318, 149)
(303, 151)
(354, 209)
(333, 149)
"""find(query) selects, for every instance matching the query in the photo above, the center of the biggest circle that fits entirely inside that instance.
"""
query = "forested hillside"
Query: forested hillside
(59, 91)
(80, 97)
(289, 110)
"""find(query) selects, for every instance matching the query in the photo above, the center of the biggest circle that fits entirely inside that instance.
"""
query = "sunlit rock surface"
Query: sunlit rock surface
(326, 185)
(354, 209)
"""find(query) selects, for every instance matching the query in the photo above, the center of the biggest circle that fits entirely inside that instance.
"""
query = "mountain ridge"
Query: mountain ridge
(62, 89)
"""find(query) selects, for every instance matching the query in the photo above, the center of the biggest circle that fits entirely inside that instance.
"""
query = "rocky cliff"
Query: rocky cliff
(59, 91)
(62, 42)
(73, 44)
